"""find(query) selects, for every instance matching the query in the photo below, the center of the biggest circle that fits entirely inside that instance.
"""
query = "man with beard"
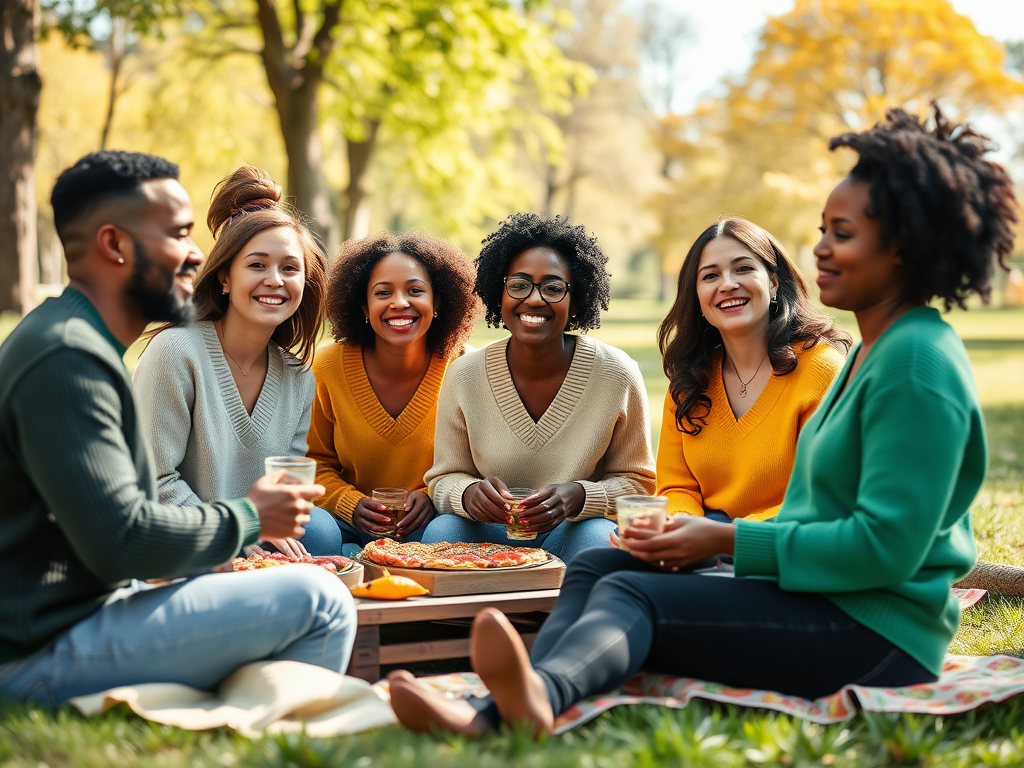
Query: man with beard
(78, 517)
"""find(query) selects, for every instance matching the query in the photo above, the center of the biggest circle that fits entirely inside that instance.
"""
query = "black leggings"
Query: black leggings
(616, 615)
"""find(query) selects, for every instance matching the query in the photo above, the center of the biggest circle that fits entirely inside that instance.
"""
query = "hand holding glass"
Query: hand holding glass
(300, 470)
(393, 500)
(647, 512)
(514, 528)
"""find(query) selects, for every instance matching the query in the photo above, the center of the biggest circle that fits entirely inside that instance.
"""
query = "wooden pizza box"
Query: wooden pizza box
(450, 583)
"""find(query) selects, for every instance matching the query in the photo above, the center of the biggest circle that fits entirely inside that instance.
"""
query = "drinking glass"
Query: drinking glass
(301, 471)
(649, 512)
(515, 529)
(393, 500)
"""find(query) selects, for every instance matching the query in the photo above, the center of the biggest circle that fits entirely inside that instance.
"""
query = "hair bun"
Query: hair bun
(246, 190)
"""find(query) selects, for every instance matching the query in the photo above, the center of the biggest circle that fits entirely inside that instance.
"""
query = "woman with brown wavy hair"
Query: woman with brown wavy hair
(220, 395)
(748, 360)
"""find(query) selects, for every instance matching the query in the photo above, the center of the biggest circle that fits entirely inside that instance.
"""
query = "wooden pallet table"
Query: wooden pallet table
(368, 654)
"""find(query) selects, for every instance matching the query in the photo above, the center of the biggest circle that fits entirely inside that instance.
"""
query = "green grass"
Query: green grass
(702, 734)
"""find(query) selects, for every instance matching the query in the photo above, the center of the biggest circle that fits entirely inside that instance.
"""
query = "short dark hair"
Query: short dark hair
(451, 280)
(947, 211)
(102, 176)
(591, 289)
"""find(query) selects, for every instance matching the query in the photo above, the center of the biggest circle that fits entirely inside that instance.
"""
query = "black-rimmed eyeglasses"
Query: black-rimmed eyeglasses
(551, 291)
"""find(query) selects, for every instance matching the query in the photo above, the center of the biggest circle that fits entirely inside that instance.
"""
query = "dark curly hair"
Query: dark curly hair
(451, 279)
(687, 351)
(946, 209)
(590, 291)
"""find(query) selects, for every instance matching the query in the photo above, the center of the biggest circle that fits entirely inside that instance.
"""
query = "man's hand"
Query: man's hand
(283, 508)
(487, 501)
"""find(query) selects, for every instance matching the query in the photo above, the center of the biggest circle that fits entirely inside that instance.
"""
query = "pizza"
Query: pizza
(451, 556)
(260, 558)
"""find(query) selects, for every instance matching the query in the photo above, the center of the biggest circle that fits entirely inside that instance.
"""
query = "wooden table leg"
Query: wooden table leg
(365, 663)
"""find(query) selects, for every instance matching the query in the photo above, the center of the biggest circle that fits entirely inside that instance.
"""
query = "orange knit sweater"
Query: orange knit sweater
(357, 445)
(742, 467)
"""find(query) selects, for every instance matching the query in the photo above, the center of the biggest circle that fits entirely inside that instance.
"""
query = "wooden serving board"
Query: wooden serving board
(450, 583)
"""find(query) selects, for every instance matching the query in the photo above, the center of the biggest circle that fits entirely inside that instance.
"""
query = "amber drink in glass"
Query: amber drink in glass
(515, 529)
(393, 500)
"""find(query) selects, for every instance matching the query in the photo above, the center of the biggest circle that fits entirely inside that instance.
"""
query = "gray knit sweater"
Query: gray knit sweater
(205, 445)
(78, 515)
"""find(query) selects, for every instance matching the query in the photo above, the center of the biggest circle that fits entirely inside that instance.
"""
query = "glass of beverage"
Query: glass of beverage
(515, 529)
(649, 512)
(301, 471)
(393, 500)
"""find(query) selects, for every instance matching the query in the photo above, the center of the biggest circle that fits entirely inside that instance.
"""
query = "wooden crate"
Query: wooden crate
(452, 583)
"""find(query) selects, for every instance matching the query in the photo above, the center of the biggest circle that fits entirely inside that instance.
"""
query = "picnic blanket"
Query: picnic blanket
(262, 697)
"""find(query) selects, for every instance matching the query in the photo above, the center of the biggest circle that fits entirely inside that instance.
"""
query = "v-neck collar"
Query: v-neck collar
(249, 428)
(536, 433)
(382, 422)
(758, 411)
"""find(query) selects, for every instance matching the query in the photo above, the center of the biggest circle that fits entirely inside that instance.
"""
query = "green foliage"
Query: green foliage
(77, 21)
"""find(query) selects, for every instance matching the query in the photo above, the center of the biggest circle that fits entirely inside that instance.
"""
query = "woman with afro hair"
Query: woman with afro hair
(401, 308)
(560, 414)
(851, 584)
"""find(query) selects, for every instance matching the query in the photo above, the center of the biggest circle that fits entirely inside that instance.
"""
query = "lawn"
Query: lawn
(700, 735)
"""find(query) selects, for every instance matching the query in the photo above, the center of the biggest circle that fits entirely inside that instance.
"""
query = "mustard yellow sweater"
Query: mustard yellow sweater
(742, 466)
(357, 445)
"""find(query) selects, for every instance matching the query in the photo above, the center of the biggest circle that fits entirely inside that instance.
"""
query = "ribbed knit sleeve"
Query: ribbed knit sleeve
(454, 469)
(164, 383)
(675, 478)
(93, 489)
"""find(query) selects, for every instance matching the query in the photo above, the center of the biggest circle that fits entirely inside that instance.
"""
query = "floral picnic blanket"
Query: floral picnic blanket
(966, 683)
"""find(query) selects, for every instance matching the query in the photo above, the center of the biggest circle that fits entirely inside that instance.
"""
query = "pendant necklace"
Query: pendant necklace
(246, 375)
(743, 384)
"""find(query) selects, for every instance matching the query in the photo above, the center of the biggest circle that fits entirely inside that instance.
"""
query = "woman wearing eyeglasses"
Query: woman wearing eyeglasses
(559, 413)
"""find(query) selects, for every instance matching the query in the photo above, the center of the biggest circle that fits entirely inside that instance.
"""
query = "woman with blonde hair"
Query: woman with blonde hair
(220, 395)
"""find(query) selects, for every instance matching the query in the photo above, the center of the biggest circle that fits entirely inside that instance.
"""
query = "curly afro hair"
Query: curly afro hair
(590, 290)
(947, 210)
(451, 278)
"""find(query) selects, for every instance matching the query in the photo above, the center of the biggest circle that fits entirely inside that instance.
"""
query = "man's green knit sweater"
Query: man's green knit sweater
(876, 513)
(78, 516)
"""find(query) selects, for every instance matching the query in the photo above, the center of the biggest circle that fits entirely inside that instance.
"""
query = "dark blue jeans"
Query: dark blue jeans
(616, 615)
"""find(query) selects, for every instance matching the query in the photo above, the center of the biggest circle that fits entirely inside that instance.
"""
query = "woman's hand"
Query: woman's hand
(370, 517)
(290, 547)
(418, 512)
(549, 506)
(687, 539)
(487, 501)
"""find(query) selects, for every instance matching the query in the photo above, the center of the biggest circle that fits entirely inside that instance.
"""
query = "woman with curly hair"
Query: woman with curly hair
(219, 396)
(851, 584)
(559, 413)
(748, 359)
(401, 308)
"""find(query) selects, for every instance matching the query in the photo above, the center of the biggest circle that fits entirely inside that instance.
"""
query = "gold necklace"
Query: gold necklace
(743, 384)
(246, 375)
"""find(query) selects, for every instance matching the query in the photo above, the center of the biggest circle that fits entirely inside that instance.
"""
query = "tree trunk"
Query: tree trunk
(117, 53)
(20, 85)
(355, 207)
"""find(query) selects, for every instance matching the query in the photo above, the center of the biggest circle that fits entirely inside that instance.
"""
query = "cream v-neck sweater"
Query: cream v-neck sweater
(595, 432)
(205, 445)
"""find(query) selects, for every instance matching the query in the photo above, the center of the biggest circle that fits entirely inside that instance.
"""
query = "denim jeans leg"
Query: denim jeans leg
(323, 535)
(195, 632)
(571, 537)
(451, 527)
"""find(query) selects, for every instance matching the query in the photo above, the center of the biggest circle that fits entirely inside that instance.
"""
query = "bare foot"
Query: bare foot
(420, 708)
(500, 658)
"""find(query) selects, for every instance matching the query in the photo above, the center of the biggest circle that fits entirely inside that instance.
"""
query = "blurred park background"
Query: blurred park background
(644, 120)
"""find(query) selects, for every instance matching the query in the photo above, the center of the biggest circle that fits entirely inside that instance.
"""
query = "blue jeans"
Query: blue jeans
(329, 535)
(195, 632)
(564, 541)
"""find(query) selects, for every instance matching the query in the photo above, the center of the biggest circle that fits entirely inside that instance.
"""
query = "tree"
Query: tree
(20, 86)
(825, 67)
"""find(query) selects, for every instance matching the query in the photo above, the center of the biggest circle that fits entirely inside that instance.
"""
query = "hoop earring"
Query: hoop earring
(707, 325)
(435, 313)
(773, 305)
(366, 320)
